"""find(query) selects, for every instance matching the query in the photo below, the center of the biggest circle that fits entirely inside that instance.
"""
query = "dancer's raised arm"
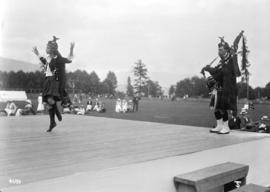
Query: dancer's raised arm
(71, 51)
(35, 51)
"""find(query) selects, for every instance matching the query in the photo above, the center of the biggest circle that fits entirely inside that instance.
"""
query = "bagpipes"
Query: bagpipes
(203, 69)
(210, 81)
(211, 85)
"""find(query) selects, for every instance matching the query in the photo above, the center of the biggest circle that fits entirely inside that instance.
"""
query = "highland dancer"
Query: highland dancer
(54, 84)
(224, 77)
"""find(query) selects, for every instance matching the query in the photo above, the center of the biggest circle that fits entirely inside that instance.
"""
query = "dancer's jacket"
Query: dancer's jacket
(57, 66)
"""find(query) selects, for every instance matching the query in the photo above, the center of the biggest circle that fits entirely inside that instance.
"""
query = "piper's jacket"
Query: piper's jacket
(225, 76)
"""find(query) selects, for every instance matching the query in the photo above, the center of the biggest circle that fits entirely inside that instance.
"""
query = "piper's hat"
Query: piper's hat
(223, 44)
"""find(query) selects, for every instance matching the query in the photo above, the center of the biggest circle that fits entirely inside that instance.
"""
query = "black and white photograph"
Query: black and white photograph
(134, 95)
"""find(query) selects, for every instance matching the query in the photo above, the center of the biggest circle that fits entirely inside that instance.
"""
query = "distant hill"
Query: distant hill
(7, 64)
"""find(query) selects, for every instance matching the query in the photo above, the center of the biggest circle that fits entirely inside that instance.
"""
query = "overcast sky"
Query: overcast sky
(174, 38)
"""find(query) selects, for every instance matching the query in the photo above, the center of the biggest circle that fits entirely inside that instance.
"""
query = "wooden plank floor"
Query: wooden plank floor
(84, 143)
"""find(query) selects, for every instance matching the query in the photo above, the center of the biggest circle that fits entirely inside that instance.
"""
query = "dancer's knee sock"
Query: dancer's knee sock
(52, 115)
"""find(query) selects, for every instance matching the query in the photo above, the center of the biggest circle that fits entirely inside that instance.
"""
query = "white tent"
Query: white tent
(12, 96)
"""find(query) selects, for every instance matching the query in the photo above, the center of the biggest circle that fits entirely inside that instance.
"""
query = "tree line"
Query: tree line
(90, 83)
(77, 81)
(196, 87)
(83, 82)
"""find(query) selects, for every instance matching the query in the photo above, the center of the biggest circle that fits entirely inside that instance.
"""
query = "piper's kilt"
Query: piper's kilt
(51, 89)
(221, 101)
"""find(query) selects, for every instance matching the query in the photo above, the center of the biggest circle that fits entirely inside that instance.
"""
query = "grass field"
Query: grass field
(184, 112)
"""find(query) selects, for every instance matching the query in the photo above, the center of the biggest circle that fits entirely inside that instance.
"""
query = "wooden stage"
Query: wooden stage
(79, 144)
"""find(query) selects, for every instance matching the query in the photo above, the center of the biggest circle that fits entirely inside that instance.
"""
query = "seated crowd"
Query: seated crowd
(123, 106)
(96, 106)
(11, 109)
(245, 123)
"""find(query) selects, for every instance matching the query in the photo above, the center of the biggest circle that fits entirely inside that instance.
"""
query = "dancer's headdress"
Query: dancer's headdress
(52, 44)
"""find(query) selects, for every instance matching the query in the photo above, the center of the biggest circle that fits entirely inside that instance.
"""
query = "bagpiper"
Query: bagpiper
(223, 84)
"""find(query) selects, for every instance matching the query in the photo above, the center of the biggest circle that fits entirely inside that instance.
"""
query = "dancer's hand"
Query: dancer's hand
(72, 45)
(35, 50)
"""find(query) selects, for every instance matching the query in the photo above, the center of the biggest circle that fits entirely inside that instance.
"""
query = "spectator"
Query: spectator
(124, 106)
(40, 108)
(80, 98)
(234, 122)
(75, 98)
(67, 109)
(118, 107)
(67, 105)
(264, 125)
(101, 108)
(96, 107)
(11, 108)
(130, 106)
(89, 106)
(28, 108)
(80, 110)
(244, 119)
(136, 103)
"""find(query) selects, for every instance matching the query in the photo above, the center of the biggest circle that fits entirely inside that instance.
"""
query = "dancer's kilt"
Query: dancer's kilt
(51, 89)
